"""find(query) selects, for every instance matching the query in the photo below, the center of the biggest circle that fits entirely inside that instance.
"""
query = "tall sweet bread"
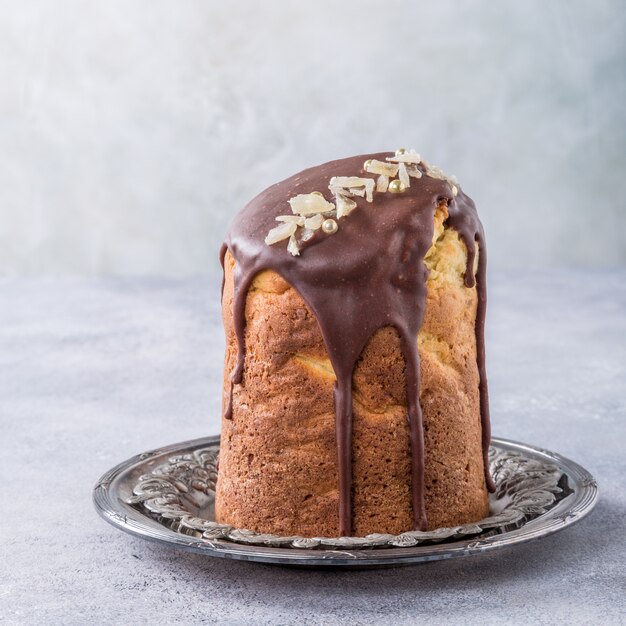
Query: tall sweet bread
(355, 396)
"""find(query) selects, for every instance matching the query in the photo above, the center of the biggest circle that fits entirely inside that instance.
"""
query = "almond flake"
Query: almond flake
(380, 167)
(354, 184)
(382, 184)
(403, 175)
(278, 233)
(408, 157)
(307, 233)
(295, 219)
(310, 204)
(435, 172)
(344, 205)
(314, 222)
(292, 246)
(348, 181)
(357, 191)
(414, 171)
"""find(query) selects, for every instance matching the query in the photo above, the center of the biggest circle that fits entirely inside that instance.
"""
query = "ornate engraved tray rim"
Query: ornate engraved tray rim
(140, 498)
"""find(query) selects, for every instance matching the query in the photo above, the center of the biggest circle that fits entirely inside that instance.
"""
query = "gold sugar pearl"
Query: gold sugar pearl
(367, 164)
(317, 193)
(401, 151)
(396, 186)
(330, 227)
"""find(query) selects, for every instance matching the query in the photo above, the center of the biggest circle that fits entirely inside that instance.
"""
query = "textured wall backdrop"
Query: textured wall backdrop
(131, 131)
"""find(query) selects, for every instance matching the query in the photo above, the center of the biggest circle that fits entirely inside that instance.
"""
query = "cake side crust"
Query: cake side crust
(278, 465)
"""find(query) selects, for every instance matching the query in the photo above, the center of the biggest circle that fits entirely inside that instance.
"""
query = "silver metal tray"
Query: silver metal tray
(167, 496)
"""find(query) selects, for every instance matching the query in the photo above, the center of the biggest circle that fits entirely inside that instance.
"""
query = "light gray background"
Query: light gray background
(130, 132)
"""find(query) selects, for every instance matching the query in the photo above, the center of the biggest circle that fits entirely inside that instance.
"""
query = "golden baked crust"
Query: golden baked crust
(278, 458)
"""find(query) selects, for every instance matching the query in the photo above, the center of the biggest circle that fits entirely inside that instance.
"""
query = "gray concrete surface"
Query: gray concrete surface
(93, 371)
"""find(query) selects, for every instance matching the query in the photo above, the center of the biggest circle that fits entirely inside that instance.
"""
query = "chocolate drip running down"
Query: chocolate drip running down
(369, 275)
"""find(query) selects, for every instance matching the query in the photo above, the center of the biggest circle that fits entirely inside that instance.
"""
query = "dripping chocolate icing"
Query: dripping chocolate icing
(368, 275)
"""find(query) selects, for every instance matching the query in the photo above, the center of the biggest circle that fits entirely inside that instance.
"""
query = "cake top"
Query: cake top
(355, 197)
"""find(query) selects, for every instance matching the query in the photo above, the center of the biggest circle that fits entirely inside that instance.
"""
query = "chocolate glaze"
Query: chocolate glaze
(369, 275)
